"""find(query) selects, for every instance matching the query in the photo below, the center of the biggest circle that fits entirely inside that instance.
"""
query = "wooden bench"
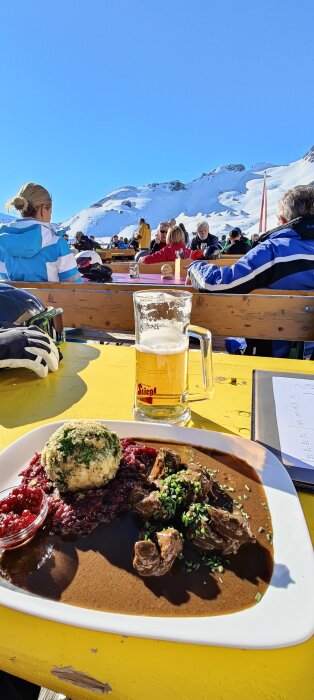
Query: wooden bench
(109, 307)
(117, 254)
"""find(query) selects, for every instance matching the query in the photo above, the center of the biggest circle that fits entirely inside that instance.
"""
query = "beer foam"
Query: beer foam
(163, 341)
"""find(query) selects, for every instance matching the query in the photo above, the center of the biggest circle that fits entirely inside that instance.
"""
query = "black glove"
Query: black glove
(28, 347)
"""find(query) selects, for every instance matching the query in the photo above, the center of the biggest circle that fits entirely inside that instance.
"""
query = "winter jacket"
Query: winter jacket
(118, 245)
(31, 251)
(197, 242)
(85, 243)
(166, 254)
(144, 236)
(285, 260)
(239, 247)
(155, 246)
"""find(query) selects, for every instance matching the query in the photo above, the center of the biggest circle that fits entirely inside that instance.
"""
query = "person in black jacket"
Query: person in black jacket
(160, 239)
(186, 235)
(84, 242)
(203, 238)
(238, 245)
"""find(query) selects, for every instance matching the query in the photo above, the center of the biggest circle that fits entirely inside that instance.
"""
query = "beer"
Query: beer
(162, 327)
(161, 390)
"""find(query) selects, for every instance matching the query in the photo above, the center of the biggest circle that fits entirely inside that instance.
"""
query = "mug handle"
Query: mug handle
(205, 338)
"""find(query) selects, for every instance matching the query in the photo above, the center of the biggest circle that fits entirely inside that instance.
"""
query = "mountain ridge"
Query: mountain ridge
(226, 196)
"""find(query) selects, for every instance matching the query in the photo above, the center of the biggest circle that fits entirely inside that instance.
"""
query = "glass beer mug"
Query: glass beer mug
(162, 328)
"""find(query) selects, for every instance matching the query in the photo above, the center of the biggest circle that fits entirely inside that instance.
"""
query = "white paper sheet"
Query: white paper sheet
(294, 402)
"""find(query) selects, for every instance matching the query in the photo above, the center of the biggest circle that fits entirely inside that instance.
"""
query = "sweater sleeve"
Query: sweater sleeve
(159, 256)
(66, 264)
(250, 272)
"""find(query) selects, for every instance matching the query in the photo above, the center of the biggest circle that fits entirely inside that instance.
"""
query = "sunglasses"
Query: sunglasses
(163, 231)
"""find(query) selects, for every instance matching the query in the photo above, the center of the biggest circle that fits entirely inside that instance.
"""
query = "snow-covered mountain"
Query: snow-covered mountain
(226, 197)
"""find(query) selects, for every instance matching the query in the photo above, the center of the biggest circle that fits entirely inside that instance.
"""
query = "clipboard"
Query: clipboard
(264, 428)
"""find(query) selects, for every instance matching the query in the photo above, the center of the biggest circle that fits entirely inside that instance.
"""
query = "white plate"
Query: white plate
(285, 616)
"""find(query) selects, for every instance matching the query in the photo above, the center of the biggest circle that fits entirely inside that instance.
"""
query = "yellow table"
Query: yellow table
(97, 382)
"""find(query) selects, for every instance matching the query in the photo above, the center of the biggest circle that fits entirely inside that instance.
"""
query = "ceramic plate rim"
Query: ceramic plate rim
(282, 618)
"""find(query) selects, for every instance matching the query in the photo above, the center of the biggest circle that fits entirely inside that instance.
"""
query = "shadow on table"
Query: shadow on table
(27, 399)
(198, 421)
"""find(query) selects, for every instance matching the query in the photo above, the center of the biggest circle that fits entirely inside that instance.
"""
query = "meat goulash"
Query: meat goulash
(173, 530)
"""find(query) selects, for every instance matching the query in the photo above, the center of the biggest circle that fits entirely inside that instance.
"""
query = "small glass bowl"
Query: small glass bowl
(18, 539)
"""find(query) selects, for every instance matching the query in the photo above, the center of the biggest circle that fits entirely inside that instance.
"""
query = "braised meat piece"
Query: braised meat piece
(175, 490)
(213, 528)
(167, 462)
(149, 561)
(149, 507)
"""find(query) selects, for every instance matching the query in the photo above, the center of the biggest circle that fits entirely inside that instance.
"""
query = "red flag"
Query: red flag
(263, 216)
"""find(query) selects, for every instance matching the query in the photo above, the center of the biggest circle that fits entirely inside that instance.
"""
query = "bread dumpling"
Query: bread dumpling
(82, 454)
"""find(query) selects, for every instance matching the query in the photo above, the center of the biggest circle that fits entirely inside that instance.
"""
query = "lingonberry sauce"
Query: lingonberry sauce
(19, 509)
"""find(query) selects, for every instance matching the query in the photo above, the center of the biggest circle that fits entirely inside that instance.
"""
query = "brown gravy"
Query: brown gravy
(96, 571)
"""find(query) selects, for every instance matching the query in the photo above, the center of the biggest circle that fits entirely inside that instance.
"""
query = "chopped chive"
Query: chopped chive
(258, 597)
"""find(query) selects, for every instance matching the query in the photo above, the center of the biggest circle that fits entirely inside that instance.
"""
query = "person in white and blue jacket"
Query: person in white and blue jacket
(283, 259)
(30, 249)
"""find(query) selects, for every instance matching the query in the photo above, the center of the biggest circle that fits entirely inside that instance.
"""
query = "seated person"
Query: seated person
(203, 238)
(175, 243)
(237, 245)
(284, 259)
(91, 268)
(83, 242)
(30, 249)
(117, 243)
(134, 243)
(254, 240)
(160, 238)
(186, 235)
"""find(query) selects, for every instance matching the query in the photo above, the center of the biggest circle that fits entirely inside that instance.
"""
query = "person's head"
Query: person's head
(223, 237)
(126, 240)
(254, 237)
(115, 238)
(175, 235)
(235, 234)
(141, 221)
(32, 201)
(172, 222)
(92, 238)
(182, 227)
(203, 230)
(299, 201)
(65, 236)
(162, 231)
(79, 235)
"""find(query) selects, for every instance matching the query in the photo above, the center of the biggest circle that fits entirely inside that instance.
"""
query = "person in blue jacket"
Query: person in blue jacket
(30, 249)
(283, 259)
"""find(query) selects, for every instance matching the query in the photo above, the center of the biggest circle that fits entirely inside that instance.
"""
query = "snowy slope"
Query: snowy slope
(228, 196)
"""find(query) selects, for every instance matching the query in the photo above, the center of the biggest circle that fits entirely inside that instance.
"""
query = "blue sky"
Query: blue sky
(96, 94)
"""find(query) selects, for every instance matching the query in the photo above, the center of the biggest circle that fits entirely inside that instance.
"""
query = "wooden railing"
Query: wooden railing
(120, 266)
(109, 307)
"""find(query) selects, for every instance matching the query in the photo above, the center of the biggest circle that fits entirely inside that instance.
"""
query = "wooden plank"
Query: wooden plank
(252, 316)
(155, 268)
(96, 286)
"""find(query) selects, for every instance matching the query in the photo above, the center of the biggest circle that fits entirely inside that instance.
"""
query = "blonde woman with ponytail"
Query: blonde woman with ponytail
(30, 250)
